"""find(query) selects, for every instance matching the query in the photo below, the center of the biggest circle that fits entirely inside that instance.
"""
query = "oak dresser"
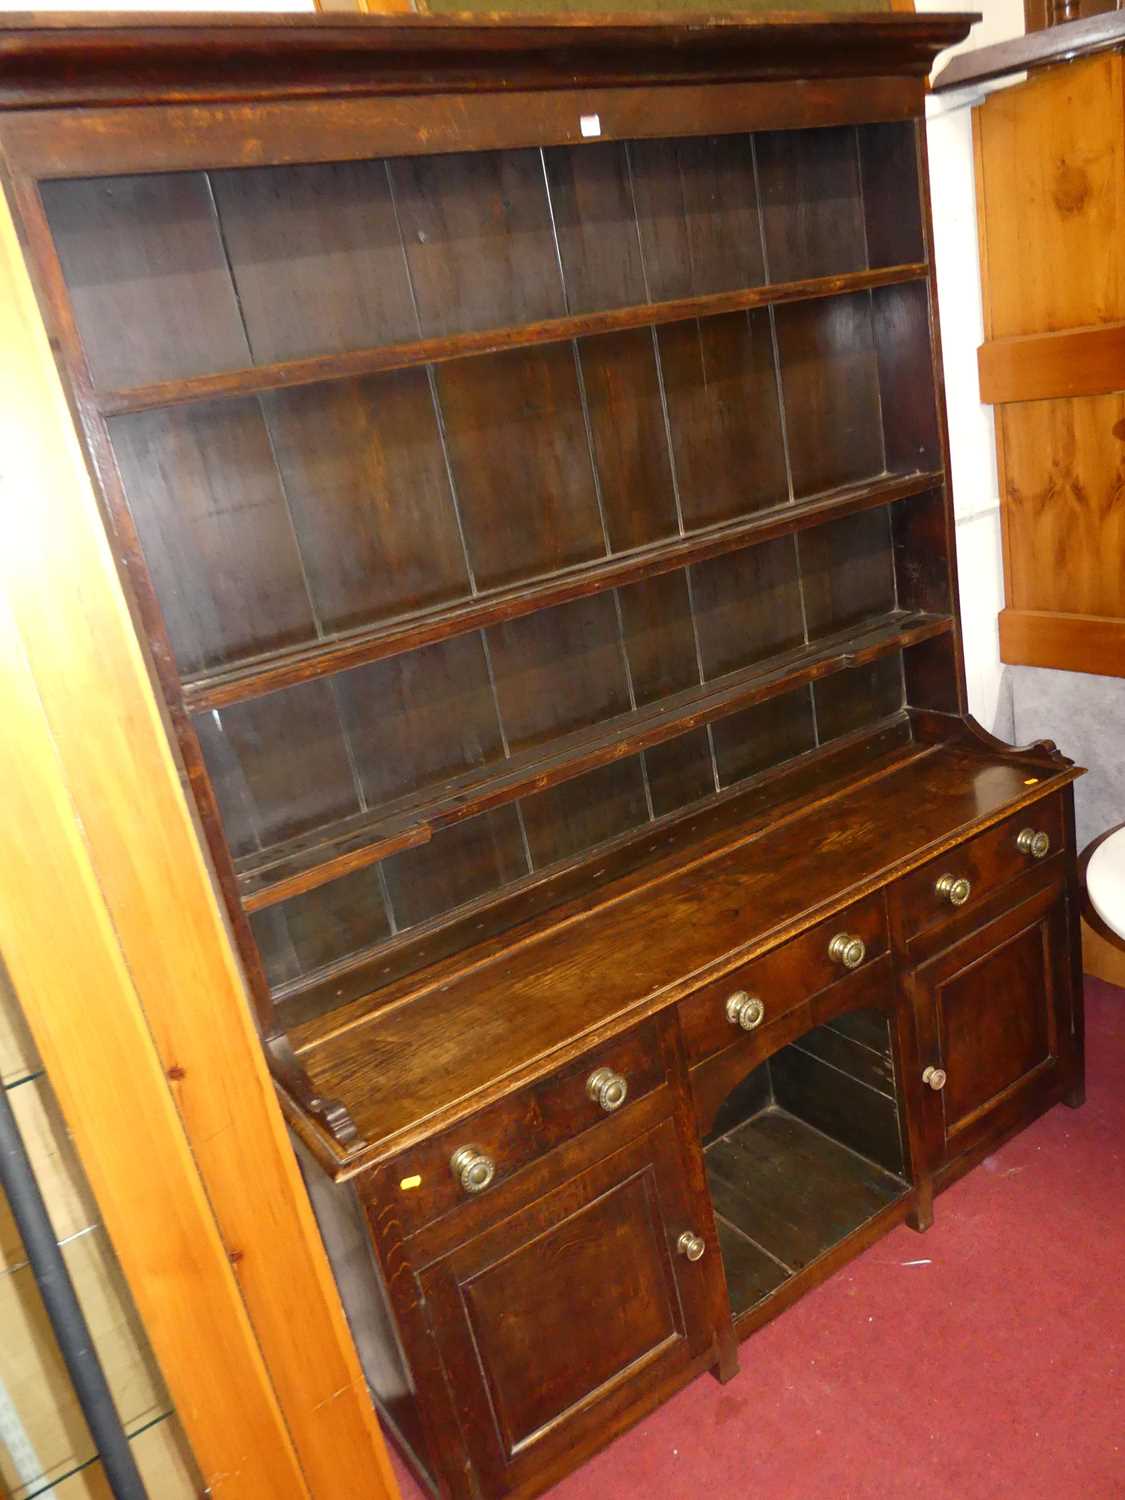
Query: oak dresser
(524, 447)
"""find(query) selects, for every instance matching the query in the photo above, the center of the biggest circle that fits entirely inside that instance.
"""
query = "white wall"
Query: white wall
(971, 432)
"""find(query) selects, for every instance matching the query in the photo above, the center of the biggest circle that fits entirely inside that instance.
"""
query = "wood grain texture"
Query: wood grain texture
(542, 1007)
(369, 494)
(521, 463)
(316, 258)
(697, 212)
(214, 525)
(721, 390)
(139, 857)
(146, 270)
(443, 348)
(812, 210)
(1038, 366)
(1053, 194)
(1064, 493)
(829, 377)
(1069, 643)
(478, 237)
(596, 223)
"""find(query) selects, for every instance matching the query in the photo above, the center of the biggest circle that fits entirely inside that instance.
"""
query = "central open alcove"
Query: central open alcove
(804, 1151)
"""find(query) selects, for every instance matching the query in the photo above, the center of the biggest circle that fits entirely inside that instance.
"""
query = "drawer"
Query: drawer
(928, 897)
(871, 985)
(780, 979)
(520, 1128)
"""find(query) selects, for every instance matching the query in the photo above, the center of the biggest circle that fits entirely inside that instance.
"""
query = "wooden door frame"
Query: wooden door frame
(118, 947)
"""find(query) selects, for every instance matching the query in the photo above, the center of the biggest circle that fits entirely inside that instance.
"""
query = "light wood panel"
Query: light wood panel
(1072, 362)
(1052, 197)
(188, 1184)
(1050, 159)
(1064, 495)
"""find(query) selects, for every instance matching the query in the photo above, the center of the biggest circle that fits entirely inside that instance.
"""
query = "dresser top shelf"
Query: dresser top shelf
(72, 58)
(452, 1042)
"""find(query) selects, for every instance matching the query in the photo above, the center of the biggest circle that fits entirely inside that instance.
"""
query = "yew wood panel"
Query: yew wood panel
(629, 437)
(765, 735)
(592, 809)
(504, 1303)
(697, 213)
(316, 258)
(847, 571)
(830, 382)
(368, 490)
(812, 211)
(312, 931)
(680, 772)
(213, 520)
(457, 864)
(721, 388)
(521, 463)
(888, 159)
(137, 326)
(596, 224)
(478, 237)
(411, 1063)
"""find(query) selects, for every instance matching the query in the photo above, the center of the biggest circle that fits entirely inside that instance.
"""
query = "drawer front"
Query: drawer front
(519, 1129)
(871, 986)
(987, 862)
(781, 979)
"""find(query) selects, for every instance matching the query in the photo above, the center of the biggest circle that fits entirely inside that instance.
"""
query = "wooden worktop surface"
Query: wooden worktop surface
(444, 1050)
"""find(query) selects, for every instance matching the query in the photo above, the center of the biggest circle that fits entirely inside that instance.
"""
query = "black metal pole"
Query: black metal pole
(57, 1291)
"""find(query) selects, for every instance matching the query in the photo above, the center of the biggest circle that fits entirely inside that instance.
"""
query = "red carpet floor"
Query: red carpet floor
(980, 1361)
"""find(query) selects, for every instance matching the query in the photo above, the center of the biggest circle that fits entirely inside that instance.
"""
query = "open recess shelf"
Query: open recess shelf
(286, 374)
(306, 861)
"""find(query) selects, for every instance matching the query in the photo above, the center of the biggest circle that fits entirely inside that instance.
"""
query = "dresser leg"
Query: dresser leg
(921, 1216)
(1075, 1097)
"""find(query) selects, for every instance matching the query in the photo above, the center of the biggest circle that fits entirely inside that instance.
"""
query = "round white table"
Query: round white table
(1105, 881)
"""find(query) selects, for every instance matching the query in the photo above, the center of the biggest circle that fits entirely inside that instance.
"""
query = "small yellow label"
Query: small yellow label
(410, 1182)
(1032, 781)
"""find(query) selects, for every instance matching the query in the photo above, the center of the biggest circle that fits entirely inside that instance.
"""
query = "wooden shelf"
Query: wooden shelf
(301, 864)
(295, 372)
(280, 669)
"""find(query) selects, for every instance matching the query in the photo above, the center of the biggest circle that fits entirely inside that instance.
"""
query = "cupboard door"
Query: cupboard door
(995, 1015)
(555, 1326)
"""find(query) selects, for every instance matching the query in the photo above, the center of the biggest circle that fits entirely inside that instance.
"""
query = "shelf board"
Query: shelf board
(288, 668)
(301, 864)
(346, 366)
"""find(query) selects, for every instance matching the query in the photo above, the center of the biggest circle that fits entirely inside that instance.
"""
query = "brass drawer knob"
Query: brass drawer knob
(691, 1245)
(1035, 843)
(935, 1077)
(472, 1169)
(847, 949)
(955, 889)
(607, 1088)
(745, 1010)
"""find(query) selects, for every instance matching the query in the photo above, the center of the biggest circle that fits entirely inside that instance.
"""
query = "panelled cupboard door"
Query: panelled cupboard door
(552, 1324)
(995, 1014)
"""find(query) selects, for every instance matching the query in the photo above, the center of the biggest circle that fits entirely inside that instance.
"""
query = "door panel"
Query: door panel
(563, 1315)
(994, 1014)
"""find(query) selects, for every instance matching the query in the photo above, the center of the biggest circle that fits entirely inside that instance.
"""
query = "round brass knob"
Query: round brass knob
(607, 1088)
(935, 1077)
(955, 889)
(847, 949)
(745, 1010)
(691, 1245)
(1037, 844)
(472, 1169)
